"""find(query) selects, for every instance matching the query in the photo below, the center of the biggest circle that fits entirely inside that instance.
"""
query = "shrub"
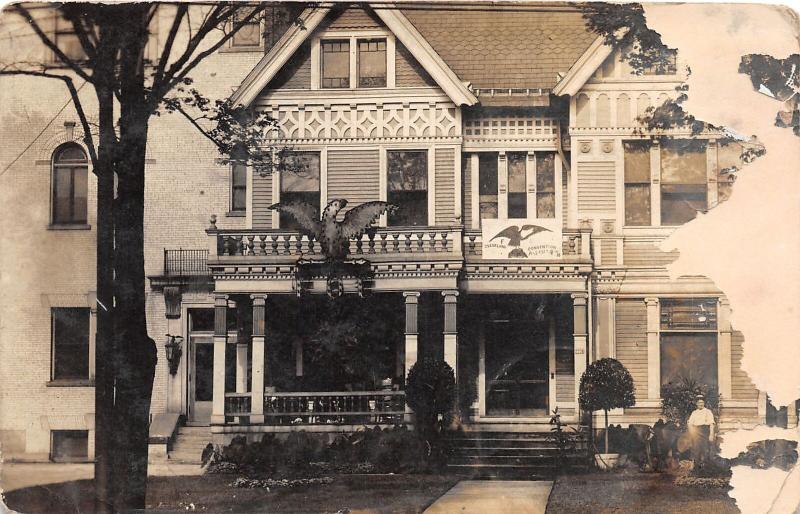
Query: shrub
(606, 384)
(390, 450)
(679, 399)
(430, 392)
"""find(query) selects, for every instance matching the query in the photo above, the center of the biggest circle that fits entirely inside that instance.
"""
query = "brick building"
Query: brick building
(531, 207)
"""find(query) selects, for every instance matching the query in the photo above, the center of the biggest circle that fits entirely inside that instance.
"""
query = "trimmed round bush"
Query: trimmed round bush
(431, 393)
(606, 384)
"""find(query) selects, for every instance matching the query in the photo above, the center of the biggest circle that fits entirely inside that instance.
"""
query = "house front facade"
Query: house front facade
(531, 204)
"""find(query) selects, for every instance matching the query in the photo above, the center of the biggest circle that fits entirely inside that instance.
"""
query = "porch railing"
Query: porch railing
(237, 404)
(334, 408)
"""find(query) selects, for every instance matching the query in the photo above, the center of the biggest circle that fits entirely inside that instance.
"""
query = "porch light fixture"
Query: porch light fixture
(172, 347)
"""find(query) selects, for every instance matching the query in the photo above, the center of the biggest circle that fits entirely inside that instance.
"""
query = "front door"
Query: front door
(516, 357)
(201, 378)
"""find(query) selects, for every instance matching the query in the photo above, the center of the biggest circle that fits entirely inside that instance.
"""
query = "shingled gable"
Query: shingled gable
(511, 46)
(311, 19)
(584, 68)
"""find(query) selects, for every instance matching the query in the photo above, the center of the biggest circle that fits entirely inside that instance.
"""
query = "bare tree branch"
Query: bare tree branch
(167, 51)
(73, 92)
(196, 125)
(22, 11)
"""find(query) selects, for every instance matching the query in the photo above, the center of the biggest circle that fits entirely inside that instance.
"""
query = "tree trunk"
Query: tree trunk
(135, 350)
(606, 413)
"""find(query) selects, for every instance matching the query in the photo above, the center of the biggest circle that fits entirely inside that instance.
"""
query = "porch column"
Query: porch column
(580, 337)
(451, 330)
(257, 385)
(220, 339)
(724, 364)
(411, 334)
(653, 350)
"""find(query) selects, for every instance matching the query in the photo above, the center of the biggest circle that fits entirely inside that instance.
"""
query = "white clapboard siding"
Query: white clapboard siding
(742, 387)
(445, 200)
(262, 199)
(631, 322)
(354, 175)
(645, 255)
(596, 187)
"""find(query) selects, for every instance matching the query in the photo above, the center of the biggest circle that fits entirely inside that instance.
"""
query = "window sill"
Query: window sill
(241, 49)
(236, 214)
(70, 382)
(69, 226)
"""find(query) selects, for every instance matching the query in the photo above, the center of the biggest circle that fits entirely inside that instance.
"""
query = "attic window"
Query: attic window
(335, 64)
(371, 63)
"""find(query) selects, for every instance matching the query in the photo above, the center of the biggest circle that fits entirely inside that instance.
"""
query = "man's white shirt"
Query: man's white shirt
(701, 417)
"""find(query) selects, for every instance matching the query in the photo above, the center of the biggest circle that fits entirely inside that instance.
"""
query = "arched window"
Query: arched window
(70, 184)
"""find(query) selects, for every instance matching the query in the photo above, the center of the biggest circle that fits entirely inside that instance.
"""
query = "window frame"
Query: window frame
(278, 184)
(715, 331)
(72, 380)
(353, 36)
(235, 209)
(532, 194)
(232, 46)
(78, 458)
(429, 183)
(73, 166)
(656, 182)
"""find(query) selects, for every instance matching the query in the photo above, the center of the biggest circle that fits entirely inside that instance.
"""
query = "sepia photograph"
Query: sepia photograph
(441, 257)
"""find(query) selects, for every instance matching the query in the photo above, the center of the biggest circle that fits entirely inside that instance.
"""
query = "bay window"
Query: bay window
(407, 181)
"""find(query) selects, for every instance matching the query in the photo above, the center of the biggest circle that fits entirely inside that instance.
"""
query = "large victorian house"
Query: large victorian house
(531, 205)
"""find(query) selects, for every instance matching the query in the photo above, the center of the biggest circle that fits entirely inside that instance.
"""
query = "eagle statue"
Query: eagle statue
(334, 236)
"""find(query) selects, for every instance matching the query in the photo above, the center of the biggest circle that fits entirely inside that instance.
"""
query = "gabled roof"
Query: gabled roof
(584, 67)
(525, 45)
(311, 18)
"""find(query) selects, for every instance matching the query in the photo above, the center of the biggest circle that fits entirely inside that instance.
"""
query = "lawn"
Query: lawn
(211, 493)
(634, 493)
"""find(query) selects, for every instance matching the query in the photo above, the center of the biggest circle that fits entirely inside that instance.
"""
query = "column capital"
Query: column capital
(411, 296)
(651, 301)
(579, 298)
(258, 299)
(450, 296)
(221, 300)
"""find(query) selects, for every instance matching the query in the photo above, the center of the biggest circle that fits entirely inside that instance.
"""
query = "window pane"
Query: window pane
(70, 343)
(517, 205)
(683, 161)
(487, 185)
(204, 372)
(680, 203)
(689, 356)
(70, 445)
(79, 177)
(545, 205)
(372, 63)
(693, 314)
(62, 195)
(637, 161)
(545, 172)
(201, 320)
(407, 170)
(335, 63)
(301, 173)
(637, 204)
(516, 173)
(412, 208)
(72, 153)
(287, 221)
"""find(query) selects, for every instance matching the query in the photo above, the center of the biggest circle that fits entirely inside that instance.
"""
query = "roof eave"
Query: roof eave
(583, 68)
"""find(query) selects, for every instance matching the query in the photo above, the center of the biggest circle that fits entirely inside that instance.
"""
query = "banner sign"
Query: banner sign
(537, 239)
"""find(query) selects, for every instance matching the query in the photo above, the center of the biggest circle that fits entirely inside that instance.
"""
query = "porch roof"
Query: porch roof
(505, 46)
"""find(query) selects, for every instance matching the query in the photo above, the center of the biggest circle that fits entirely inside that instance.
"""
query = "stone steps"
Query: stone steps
(189, 444)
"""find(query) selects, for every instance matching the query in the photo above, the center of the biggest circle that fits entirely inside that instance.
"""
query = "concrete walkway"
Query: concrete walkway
(19, 475)
(481, 496)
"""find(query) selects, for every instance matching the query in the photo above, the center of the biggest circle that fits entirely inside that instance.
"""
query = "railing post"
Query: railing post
(212, 231)
(257, 385)
(220, 340)
(586, 232)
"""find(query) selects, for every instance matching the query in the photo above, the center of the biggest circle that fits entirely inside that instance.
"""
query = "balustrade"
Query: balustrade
(334, 408)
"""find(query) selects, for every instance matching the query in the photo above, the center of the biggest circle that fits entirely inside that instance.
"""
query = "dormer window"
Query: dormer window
(353, 61)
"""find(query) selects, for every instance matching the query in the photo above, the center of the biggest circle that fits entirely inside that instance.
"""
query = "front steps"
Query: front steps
(511, 455)
(189, 444)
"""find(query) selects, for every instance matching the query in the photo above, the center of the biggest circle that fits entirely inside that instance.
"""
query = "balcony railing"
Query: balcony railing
(183, 263)
(378, 244)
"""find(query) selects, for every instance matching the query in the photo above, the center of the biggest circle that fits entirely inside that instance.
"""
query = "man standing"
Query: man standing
(701, 430)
